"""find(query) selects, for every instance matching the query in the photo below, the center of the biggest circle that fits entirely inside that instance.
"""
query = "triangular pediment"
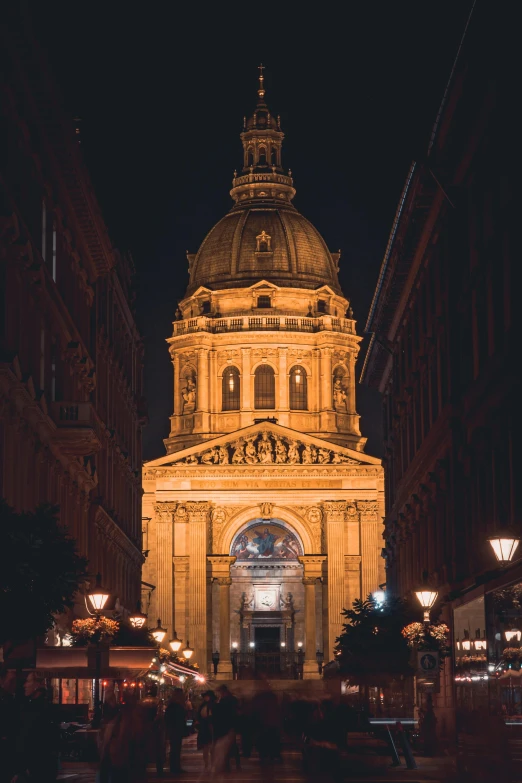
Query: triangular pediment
(265, 443)
(264, 284)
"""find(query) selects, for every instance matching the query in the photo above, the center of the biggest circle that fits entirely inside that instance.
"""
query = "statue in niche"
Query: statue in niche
(288, 602)
(188, 394)
(223, 457)
(307, 455)
(293, 452)
(210, 457)
(323, 456)
(250, 452)
(280, 450)
(238, 457)
(339, 395)
(264, 449)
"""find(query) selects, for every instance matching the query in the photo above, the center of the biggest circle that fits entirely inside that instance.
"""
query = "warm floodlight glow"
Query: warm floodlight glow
(513, 634)
(234, 645)
(504, 546)
(97, 596)
(159, 633)
(379, 597)
(299, 644)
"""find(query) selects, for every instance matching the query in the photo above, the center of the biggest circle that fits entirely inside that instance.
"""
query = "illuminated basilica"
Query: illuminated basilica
(264, 519)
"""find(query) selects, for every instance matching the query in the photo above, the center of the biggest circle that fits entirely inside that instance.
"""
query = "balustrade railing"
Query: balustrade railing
(278, 665)
(263, 324)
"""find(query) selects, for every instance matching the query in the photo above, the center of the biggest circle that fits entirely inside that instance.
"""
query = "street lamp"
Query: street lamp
(504, 545)
(98, 597)
(159, 633)
(138, 618)
(426, 597)
(175, 643)
(187, 652)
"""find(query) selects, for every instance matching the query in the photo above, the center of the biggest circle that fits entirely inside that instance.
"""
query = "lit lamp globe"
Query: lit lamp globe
(97, 596)
(175, 643)
(159, 633)
(187, 652)
(426, 597)
(138, 618)
(504, 545)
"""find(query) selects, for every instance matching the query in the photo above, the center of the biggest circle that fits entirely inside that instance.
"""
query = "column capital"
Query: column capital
(310, 580)
(224, 581)
(335, 510)
(312, 566)
(198, 511)
(220, 565)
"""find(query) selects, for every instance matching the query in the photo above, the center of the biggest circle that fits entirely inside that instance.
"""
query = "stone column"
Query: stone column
(371, 544)
(312, 569)
(202, 381)
(164, 568)
(283, 379)
(214, 387)
(326, 379)
(350, 401)
(334, 516)
(246, 404)
(314, 388)
(199, 521)
(221, 572)
(177, 385)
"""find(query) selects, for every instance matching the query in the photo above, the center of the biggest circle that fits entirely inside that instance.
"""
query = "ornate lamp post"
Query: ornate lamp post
(504, 544)
(98, 597)
(175, 643)
(138, 618)
(426, 597)
(159, 633)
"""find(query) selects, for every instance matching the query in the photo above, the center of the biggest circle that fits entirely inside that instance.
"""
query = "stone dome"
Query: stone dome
(258, 241)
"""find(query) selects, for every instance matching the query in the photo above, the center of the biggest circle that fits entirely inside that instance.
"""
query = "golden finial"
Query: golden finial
(261, 91)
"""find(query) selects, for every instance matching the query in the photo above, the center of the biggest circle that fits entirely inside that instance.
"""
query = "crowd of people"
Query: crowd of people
(143, 732)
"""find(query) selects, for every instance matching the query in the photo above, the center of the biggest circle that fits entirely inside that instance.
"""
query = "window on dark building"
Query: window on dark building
(250, 157)
(262, 156)
(231, 389)
(264, 387)
(264, 301)
(205, 306)
(273, 156)
(298, 389)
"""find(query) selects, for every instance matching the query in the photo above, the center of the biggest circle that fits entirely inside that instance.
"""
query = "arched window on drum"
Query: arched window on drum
(264, 387)
(298, 389)
(231, 394)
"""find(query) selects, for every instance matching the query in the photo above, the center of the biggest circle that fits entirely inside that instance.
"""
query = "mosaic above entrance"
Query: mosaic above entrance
(264, 540)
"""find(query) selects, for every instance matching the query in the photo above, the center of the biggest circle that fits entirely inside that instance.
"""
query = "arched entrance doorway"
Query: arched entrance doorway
(267, 600)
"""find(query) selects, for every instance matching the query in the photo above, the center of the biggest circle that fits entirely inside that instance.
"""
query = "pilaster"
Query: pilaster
(164, 567)
(312, 571)
(283, 379)
(199, 522)
(334, 523)
(177, 385)
(371, 545)
(220, 565)
(181, 613)
(245, 379)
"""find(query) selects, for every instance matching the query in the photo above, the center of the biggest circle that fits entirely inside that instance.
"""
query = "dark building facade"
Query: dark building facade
(444, 340)
(71, 408)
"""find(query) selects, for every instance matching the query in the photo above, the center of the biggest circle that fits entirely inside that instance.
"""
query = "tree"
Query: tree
(40, 571)
(371, 648)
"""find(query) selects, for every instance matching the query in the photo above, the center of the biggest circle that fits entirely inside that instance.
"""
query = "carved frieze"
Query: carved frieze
(267, 448)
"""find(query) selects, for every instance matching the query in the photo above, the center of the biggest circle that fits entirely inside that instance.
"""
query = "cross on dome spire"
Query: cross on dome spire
(261, 91)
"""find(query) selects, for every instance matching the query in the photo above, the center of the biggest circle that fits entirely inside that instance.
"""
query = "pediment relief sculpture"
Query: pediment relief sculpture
(267, 448)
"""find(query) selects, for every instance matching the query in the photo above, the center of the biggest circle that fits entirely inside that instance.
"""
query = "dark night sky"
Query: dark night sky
(162, 89)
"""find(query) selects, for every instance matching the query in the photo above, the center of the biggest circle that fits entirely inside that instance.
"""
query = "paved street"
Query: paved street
(370, 769)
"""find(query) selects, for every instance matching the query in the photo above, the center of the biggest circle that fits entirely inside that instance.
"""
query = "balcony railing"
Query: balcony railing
(263, 323)
(79, 430)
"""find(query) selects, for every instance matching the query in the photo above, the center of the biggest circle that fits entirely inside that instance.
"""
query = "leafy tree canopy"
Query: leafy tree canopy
(371, 646)
(40, 571)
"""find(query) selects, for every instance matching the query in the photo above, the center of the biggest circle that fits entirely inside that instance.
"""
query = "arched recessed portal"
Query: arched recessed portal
(267, 597)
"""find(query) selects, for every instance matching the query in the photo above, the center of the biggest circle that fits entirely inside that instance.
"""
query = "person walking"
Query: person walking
(175, 727)
(38, 735)
(205, 720)
(225, 726)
